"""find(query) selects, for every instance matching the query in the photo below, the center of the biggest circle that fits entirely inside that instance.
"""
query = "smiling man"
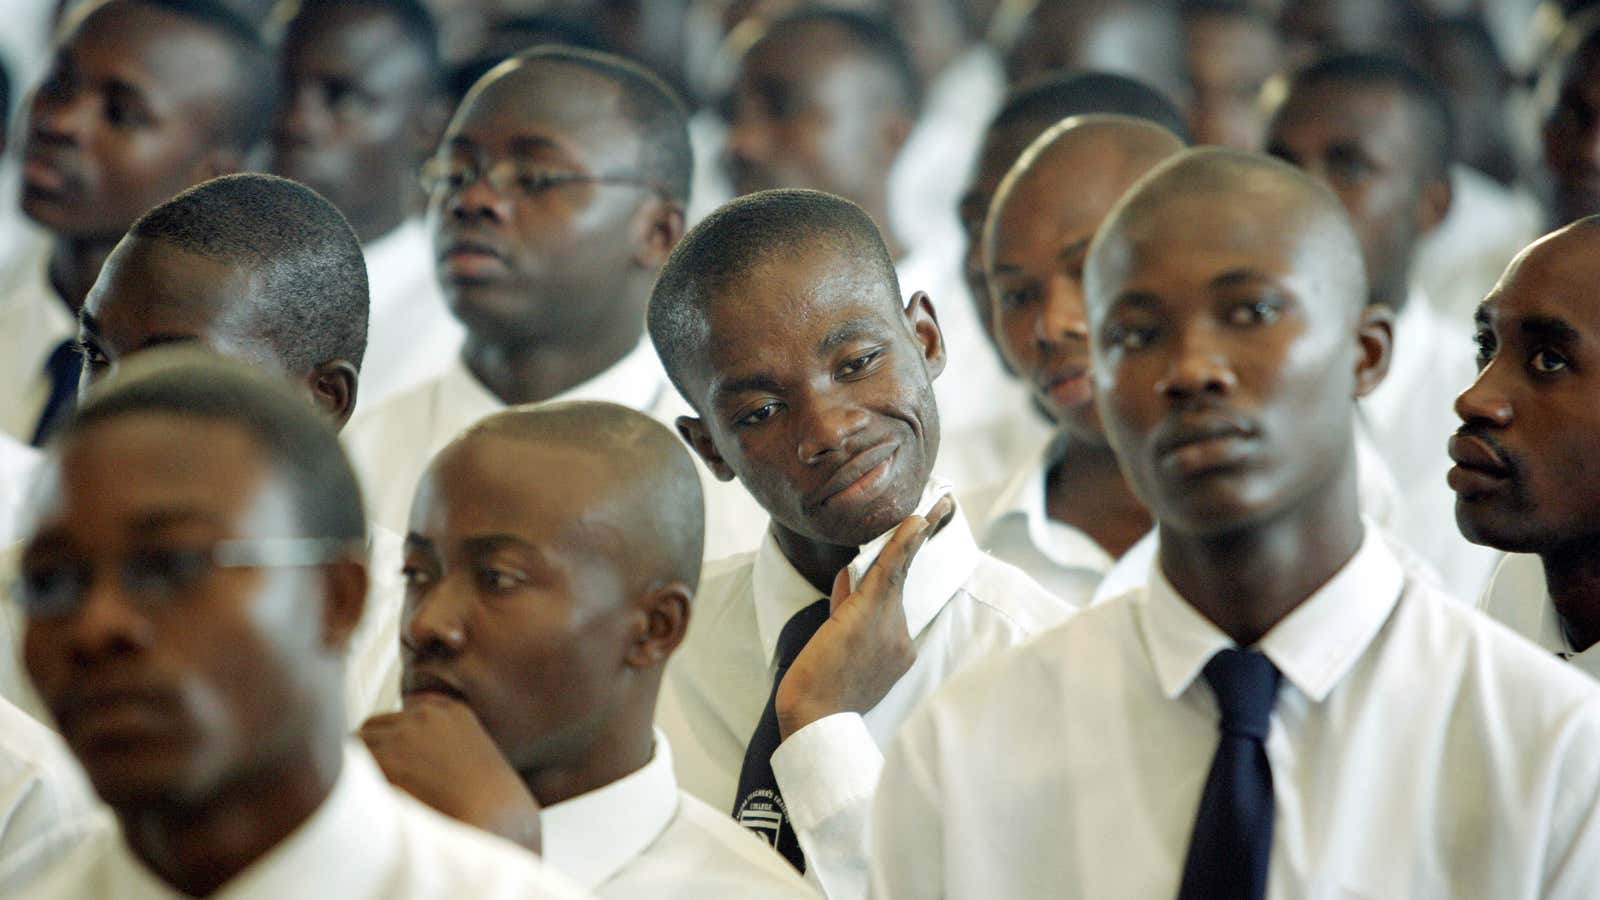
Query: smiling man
(143, 99)
(1269, 716)
(192, 578)
(1525, 451)
(779, 319)
(540, 615)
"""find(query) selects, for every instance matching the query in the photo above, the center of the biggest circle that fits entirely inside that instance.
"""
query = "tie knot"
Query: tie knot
(798, 630)
(1246, 684)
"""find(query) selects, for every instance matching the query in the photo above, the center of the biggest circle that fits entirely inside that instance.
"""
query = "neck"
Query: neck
(74, 266)
(1572, 575)
(624, 746)
(817, 562)
(531, 371)
(1084, 488)
(199, 849)
(1246, 581)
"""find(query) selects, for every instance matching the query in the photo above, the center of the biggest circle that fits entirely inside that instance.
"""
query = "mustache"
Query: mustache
(1512, 461)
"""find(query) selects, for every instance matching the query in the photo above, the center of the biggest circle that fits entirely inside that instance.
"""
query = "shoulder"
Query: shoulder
(709, 843)
(448, 858)
(41, 785)
(999, 589)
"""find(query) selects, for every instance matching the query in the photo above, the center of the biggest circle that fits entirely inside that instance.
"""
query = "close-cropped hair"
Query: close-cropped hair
(1432, 111)
(1058, 97)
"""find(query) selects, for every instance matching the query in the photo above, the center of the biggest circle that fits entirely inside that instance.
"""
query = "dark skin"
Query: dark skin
(1131, 37)
(811, 110)
(1230, 344)
(1314, 27)
(551, 284)
(209, 724)
(1570, 135)
(1037, 240)
(152, 294)
(130, 114)
(1228, 58)
(1524, 460)
(360, 114)
(1365, 143)
(831, 426)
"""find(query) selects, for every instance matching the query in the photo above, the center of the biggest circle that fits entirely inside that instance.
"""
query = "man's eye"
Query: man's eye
(1259, 312)
(1547, 362)
(1017, 298)
(855, 366)
(51, 591)
(1486, 347)
(1129, 337)
(498, 581)
(758, 415)
(416, 577)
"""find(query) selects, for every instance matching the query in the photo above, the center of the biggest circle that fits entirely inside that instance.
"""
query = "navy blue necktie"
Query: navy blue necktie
(63, 367)
(758, 805)
(1232, 837)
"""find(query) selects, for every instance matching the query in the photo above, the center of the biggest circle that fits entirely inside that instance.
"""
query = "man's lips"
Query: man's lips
(114, 716)
(1479, 465)
(417, 681)
(470, 259)
(859, 474)
(41, 171)
(1068, 386)
(1202, 443)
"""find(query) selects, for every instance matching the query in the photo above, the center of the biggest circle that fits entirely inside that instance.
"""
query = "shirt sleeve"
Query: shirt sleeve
(907, 841)
(828, 775)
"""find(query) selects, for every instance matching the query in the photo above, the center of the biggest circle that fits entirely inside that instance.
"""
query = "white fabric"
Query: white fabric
(1519, 599)
(1410, 418)
(1417, 750)
(46, 803)
(411, 335)
(17, 464)
(709, 186)
(368, 841)
(961, 605)
(642, 837)
(1460, 261)
(33, 322)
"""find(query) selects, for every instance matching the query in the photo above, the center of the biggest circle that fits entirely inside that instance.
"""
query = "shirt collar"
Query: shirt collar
(1020, 507)
(940, 568)
(592, 837)
(636, 381)
(1314, 646)
(350, 842)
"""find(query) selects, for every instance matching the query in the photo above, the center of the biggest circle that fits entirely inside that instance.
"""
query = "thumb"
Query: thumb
(841, 590)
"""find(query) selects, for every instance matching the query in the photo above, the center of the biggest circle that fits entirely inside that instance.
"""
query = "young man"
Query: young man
(1068, 514)
(1570, 91)
(46, 805)
(825, 100)
(1142, 39)
(1230, 51)
(362, 109)
(292, 300)
(550, 565)
(17, 462)
(1377, 133)
(1231, 339)
(780, 321)
(1524, 452)
(191, 583)
(143, 99)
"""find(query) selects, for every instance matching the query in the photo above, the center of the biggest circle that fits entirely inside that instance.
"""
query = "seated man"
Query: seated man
(1364, 734)
(780, 320)
(143, 99)
(196, 567)
(46, 806)
(1067, 515)
(551, 561)
(1525, 461)
(202, 269)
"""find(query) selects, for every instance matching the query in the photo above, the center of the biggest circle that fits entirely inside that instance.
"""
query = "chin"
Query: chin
(1509, 531)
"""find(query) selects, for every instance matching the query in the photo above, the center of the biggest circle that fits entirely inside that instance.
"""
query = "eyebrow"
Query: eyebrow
(1074, 249)
(529, 144)
(1480, 316)
(759, 382)
(1549, 328)
(178, 515)
(1234, 278)
(846, 331)
(483, 544)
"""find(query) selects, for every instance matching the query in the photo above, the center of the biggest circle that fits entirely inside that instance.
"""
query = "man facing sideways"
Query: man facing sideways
(191, 582)
(1270, 715)
(551, 564)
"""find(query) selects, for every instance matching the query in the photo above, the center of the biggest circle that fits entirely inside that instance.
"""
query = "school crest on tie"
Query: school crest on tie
(763, 812)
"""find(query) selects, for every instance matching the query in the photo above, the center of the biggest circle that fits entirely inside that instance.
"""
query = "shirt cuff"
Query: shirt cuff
(825, 767)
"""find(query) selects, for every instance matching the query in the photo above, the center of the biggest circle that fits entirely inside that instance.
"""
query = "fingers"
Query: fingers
(895, 560)
(841, 590)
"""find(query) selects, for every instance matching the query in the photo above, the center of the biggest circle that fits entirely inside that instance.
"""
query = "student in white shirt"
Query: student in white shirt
(780, 321)
(201, 269)
(551, 563)
(1041, 222)
(46, 804)
(1525, 464)
(191, 583)
(1370, 737)
(362, 108)
(1377, 132)
(17, 464)
(1230, 52)
(1130, 37)
(143, 99)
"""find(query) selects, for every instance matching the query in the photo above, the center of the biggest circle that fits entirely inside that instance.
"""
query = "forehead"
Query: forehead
(152, 285)
(1069, 189)
(800, 54)
(560, 107)
(156, 51)
(1329, 111)
(495, 484)
(1555, 279)
(352, 39)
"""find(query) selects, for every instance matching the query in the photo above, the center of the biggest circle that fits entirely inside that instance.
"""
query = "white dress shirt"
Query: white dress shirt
(961, 605)
(1519, 599)
(33, 322)
(17, 464)
(1410, 418)
(46, 803)
(1461, 260)
(412, 337)
(642, 837)
(368, 841)
(1417, 750)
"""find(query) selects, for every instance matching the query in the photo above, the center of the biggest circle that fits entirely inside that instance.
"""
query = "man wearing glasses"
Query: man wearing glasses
(195, 572)
(554, 199)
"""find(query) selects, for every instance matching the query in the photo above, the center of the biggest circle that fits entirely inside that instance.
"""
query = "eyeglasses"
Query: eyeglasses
(156, 577)
(520, 177)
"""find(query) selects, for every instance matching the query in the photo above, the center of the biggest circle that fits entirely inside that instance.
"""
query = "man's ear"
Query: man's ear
(695, 434)
(925, 324)
(333, 389)
(1434, 204)
(658, 225)
(346, 592)
(664, 621)
(1375, 336)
